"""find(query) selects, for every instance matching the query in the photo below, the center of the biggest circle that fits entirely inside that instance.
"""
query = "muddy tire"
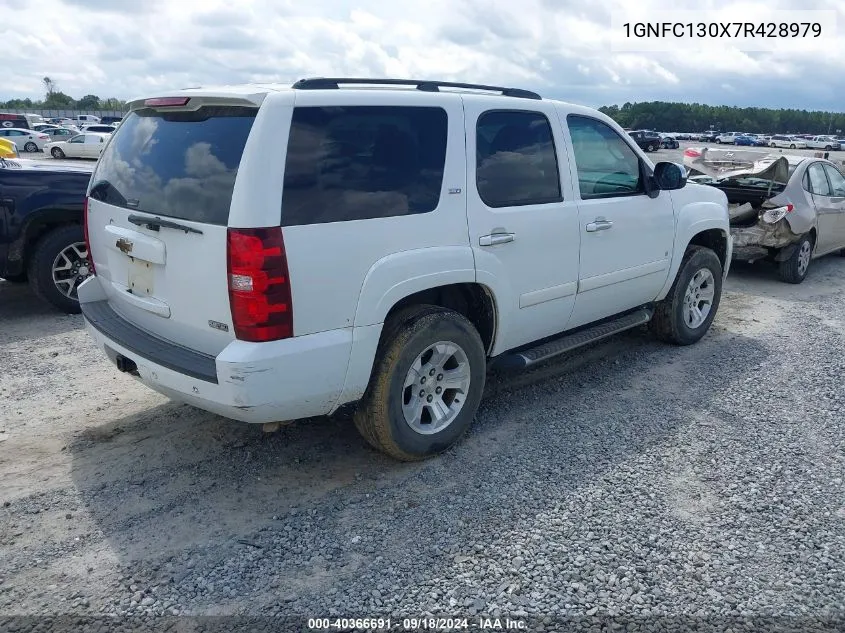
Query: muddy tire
(46, 257)
(406, 412)
(793, 270)
(686, 313)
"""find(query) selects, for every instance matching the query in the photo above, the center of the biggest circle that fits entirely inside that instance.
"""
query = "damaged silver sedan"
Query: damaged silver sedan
(784, 208)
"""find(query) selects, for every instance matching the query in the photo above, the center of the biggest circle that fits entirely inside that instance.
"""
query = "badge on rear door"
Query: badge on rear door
(124, 245)
(218, 326)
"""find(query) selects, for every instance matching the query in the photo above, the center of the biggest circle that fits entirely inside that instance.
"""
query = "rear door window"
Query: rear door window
(818, 180)
(361, 162)
(516, 163)
(175, 164)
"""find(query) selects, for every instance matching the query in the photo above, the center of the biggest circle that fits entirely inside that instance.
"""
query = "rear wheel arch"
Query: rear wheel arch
(472, 300)
(39, 224)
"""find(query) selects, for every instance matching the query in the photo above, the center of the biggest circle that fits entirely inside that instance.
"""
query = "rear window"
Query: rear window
(175, 164)
(361, 162)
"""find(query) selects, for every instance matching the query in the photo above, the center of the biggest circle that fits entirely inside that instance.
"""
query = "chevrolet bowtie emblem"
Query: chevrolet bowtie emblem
(124, 245)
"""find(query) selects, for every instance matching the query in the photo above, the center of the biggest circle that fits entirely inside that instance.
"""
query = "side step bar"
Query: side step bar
(557, 346)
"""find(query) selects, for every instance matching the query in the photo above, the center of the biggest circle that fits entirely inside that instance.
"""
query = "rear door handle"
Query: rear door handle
(495, 238)
(599, 225)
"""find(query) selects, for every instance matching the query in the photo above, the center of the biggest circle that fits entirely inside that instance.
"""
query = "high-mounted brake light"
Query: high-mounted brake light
(85, 234)
(259, 284)
(159, 102)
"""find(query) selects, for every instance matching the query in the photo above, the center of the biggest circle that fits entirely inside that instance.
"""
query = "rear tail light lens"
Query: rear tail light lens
(259, 285)
(771, 216)
(87, 240)
(692, 153)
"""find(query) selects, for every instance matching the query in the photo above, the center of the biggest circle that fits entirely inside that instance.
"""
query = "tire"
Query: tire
(16, 279)
(45, 255)
(828, 148)
(57, 152)
(792, 146)
(30, 147)
(718, 142)
(794, 269)
(670, 320)
(772, 145)
(408, 336)
(650, 147)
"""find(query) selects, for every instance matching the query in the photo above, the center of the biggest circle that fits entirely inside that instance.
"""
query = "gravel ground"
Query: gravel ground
(667, 487)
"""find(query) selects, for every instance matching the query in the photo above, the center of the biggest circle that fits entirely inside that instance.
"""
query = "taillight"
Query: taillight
(85, 233)
(43, 136)
(259, 285)
(692, 153)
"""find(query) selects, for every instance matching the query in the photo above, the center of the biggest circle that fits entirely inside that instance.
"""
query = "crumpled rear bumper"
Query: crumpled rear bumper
(758, 240)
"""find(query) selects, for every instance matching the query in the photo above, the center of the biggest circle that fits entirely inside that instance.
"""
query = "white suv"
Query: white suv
(274, 253)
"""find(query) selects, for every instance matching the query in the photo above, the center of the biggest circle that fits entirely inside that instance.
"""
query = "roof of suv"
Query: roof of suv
(255, 93)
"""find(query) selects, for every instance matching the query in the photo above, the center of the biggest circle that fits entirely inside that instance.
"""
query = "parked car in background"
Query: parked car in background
(827, 143)
(745, 140)
(40, 127)
(87, 145)
(26, 140)
(60, 133)
(13, 120)
(789, 209)
(110, 120)
(710, 136)
(667, 142)
(790, 142)
(97, 127)
(379, 183)
(82, 119)
(42, 240)
(646, 139)
(728, 137)
(8, 148)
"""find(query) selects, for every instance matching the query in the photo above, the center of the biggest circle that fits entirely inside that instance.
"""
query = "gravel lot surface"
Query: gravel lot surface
(631, 479)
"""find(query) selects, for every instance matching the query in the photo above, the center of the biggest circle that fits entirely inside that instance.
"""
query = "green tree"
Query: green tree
(58, 100)
(89, 102)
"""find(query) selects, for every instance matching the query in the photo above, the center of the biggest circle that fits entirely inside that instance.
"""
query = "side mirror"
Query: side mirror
(669, 176)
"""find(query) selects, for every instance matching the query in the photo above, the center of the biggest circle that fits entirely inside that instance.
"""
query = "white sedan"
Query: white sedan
(88, 145)
(26, 140)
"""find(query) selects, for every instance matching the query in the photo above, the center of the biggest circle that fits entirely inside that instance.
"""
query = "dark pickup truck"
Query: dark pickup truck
(646, 139)
(41, 235)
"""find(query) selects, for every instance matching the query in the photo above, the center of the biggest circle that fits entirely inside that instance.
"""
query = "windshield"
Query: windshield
(175, 164)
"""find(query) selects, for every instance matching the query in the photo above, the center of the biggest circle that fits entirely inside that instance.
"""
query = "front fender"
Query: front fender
(693, 218)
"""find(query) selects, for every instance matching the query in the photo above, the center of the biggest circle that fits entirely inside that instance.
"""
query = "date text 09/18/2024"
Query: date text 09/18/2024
(417, 624)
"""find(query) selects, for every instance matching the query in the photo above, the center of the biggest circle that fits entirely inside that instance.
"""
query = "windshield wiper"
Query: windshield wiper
(155, 224)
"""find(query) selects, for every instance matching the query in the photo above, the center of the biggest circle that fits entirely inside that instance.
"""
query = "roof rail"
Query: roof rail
(333, 83)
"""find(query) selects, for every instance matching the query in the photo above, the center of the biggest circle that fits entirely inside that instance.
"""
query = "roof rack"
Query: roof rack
(333, 83)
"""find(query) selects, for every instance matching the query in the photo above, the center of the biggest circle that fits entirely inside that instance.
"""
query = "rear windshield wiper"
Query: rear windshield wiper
(155, 224)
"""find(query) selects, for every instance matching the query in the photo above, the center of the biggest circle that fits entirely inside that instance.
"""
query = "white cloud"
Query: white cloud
(561, 48)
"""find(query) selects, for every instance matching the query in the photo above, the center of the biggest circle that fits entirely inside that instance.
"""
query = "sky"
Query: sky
(563, 49)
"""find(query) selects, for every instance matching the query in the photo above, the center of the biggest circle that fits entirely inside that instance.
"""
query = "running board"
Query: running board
(566, 343)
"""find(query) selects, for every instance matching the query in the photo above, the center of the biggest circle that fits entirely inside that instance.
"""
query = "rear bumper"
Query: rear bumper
(253, 382)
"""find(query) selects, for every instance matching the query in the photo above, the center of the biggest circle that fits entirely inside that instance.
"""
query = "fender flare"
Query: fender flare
(693, 219)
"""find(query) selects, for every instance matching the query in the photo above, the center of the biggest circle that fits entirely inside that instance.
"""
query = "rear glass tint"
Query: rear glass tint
(175, 164)
(360, 162)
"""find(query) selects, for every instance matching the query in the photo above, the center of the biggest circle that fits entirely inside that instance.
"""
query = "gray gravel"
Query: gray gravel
(667, 486)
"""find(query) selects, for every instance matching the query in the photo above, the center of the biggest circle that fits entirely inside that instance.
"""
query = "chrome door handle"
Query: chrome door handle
(495, 238)
(599, 225)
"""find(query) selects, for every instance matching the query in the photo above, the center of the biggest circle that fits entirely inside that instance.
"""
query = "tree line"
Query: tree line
(55, 99)
(666, 116)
